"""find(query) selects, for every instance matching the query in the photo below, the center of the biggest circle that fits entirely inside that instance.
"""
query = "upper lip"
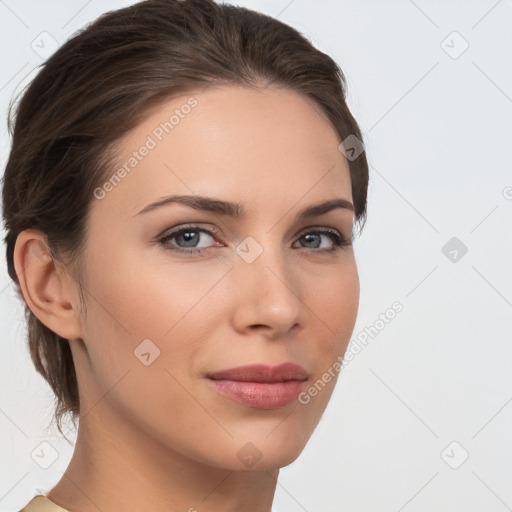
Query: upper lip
(262, 373)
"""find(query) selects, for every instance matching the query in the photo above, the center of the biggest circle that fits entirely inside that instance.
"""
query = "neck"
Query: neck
(117, 466)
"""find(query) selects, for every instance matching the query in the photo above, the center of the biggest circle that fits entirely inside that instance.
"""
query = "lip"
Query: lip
(260, 386)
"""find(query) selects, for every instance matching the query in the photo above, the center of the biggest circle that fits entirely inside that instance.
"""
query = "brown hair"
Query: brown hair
(100, 84)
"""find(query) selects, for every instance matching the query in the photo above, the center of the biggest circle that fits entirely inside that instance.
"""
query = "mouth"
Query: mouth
(260, 386)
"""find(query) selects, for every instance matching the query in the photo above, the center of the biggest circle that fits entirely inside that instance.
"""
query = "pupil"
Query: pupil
(189, 237)
(310, 235)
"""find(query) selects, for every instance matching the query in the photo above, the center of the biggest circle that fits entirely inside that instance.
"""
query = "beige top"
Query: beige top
(42, 504)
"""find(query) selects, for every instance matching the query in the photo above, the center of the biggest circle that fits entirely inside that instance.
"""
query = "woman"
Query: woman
(179, 203)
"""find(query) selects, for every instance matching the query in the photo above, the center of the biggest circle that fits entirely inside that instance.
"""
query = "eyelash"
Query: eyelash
(338, 239)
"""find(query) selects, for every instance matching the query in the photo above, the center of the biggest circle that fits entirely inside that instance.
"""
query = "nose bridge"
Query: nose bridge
(268, 288)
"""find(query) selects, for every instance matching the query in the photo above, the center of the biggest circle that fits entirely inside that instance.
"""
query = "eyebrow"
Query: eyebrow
(237, 211)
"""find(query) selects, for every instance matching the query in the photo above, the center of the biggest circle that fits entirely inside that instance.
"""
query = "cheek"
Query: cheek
(334, 303)
(149, 295)
(134, 297)
(334, 306)
(129, 302)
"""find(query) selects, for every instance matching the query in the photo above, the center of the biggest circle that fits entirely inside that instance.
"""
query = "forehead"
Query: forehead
(234, 142)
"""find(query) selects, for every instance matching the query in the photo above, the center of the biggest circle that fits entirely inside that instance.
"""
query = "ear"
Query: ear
(49, 291)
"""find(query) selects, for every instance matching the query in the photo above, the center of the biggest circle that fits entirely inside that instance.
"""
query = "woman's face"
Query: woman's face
(259, 288)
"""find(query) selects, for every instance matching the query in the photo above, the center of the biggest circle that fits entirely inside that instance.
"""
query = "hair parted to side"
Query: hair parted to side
(99, 85)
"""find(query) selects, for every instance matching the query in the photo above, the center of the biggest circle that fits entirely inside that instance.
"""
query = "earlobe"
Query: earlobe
(46, 290)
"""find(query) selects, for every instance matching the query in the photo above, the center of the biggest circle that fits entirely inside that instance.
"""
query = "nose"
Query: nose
(267, 294)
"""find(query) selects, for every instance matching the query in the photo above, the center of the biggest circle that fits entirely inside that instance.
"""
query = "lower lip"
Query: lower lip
(259, 395)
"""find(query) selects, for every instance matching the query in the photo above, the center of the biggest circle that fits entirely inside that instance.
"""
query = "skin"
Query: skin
(158, 437)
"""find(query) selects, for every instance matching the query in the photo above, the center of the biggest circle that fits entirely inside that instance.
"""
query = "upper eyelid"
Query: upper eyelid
(182, 227)
(171, 232)
(216, 230)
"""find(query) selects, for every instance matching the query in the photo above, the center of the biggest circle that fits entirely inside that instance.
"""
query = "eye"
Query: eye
(188, 236)
(186, 240)
(312, 237)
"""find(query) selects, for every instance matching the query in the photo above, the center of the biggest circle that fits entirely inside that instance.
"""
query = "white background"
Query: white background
(438, 129)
